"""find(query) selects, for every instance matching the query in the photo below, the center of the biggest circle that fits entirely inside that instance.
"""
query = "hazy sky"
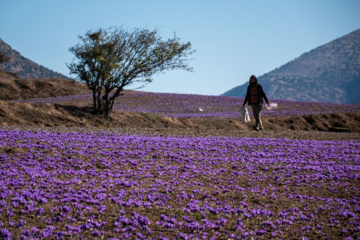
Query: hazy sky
(233, 39)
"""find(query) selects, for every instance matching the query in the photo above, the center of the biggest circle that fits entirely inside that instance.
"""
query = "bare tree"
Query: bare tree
(109, 60)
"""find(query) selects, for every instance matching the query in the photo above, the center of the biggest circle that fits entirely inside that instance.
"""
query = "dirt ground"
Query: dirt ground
(65, 118)
(14, 88)
(60, 118)
(77, 118)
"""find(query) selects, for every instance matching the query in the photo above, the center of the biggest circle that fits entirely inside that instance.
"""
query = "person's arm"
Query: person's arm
(246, 97)
(264, 95)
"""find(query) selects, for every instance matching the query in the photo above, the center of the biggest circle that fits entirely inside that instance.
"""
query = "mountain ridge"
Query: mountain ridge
(328, 73)
(24, 67)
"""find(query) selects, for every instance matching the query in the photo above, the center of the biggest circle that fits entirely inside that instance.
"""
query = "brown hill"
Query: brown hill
(7, 75)
(13, 87)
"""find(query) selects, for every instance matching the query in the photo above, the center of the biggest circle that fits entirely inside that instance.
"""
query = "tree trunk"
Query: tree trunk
(99, 102)
(107, 110)
(106, 114)
(94, 101)
(109, 102)
(112, 104)
(106, 105)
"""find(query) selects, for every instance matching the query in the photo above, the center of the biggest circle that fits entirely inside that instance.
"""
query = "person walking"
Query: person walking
(254, 96)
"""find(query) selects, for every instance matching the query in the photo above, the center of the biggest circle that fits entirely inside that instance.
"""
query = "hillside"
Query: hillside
(13, 87)
(329, 73)
(24, 67)
(50, 103)
(16, 114)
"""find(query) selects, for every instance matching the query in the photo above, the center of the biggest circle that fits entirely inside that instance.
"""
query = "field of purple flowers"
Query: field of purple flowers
(109, 186)
(187, 105)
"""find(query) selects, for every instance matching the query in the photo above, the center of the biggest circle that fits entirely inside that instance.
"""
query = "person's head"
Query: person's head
(253, 80)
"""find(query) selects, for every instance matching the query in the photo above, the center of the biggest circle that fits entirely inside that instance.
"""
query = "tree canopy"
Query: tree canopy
(108, 60)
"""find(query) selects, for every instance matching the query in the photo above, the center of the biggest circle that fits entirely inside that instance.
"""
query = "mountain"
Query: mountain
(329, 73)
(24, 67)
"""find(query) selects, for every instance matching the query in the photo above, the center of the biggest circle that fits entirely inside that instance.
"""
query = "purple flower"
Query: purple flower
(6, 234)
(260, 232)
(21, 223)
(96, 233)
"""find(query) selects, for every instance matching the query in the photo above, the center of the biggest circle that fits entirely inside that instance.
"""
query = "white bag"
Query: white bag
(245, 115)
(271, 106)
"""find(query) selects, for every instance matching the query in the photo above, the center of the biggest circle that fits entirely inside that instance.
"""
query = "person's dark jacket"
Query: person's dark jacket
(260, 92)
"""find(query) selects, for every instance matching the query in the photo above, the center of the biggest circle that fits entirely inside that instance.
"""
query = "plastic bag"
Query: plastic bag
(245, 115)
(271, 106)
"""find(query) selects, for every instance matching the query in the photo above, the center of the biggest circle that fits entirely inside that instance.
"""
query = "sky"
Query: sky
(233, 39)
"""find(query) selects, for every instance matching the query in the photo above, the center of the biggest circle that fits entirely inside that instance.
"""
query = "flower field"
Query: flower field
(187, 105)
(100, 185)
